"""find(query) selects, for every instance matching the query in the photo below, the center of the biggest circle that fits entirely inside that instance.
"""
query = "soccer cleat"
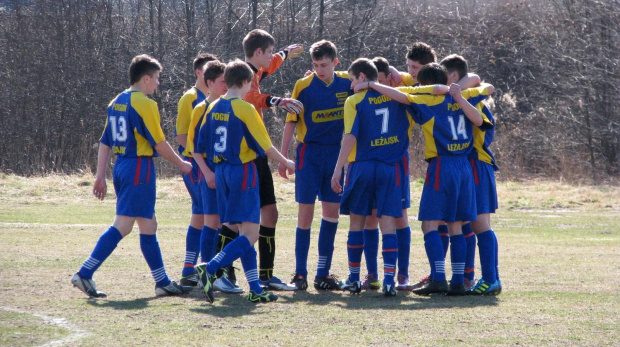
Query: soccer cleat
(354, 287)
(265, 296)
(499, 289)
(469, 284)
(422, 282)
(403, 284)
(457, 290)
(432, 287)
(485, 288)
(229, 272)
(190, 280)
(300, 282)
(328, 282)
(224, 285)
(389, 290)
(89, 287)
(172, 289)
(205, 281)
(371, 283)
(275, 283)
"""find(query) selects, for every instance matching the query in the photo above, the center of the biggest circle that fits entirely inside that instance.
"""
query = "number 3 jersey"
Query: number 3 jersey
(133, 127)
(232, 132)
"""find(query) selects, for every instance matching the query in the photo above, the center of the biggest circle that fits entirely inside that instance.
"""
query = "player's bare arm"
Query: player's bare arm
(287, 136)
(202, 164)
(100, 186)
(470, 111)
(348, 141)
(164, 149)
(273, 154)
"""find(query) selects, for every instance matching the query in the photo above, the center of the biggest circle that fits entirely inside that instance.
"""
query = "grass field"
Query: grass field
(559, 262)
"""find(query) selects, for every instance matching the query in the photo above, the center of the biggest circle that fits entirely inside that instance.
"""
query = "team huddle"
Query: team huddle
(352, 131)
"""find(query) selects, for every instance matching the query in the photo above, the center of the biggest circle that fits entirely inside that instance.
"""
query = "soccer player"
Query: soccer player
(448, 193)
(134, 134)
(216, 87)
(483, 166)
(319, 130)
(188, 101)
(258, 47)
(233, 136)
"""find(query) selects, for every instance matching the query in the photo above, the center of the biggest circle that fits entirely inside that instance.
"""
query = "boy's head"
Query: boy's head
(145, 68)
(456, 67)
(383, 69)
(362, 70)
(200, 61)
(214, 78)
(419, 55)
(432, 73)
(258, 46)
(238, 74)
(324, 56)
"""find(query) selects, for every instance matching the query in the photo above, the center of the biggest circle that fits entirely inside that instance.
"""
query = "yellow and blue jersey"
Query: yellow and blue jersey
(188, 101)
(232, 131)
(198, 114)
(133, 126)
(483, 136)
(321, 121)
(381, 126)
(447, 131)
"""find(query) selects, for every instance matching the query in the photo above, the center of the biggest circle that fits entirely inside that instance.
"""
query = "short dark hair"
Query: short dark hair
(202, 59)
(382, 64)
(323, 49)
(366, 66)
(455, 62)
(213, 70)
(256, 39)
(432, 73)
(143, 65)
(236, 73)
(422, 53)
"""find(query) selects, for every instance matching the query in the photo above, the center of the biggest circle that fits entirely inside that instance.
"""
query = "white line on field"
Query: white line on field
(76, 332)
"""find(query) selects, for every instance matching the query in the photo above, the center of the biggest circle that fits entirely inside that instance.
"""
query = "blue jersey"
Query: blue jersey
(447, 131)
(321, 121)
(381, 126)
(188, 101)
(197, 116)
(483, 136)
(133, 127)
(232, 132)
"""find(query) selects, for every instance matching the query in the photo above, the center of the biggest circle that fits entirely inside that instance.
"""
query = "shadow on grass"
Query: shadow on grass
(134, 304)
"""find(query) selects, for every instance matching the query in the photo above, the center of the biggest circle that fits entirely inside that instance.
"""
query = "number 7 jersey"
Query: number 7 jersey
(133, 127)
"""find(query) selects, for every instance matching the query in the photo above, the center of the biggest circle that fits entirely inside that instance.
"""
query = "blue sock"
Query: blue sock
(404, 247)
(192, 247)
(445, 238)
(105, 246)
(250, 267)
(470, 260)
(496, 256)
(390, 256)
(302, 246)
(327, 235)
(486, 248)
(436, 255)
(208, 241)
(458, 253)
(229, 254)
(355, 248)
(152, 254)
(371, 250)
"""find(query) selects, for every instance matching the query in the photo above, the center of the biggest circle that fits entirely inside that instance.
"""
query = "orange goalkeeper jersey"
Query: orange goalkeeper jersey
(254, 96)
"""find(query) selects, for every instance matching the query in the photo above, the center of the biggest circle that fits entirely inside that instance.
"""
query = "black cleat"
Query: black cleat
(432, 287)
(328, 282)
(205, 281)
(265, 296)
(457, 290)
(300, 282)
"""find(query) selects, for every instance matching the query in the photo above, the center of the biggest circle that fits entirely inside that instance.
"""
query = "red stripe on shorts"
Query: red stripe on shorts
(301, 156)
(473, 167)
(406, 163)
(136, 179)
(148, 171)
(437, 173)
(254, 174)
(245, 176)
(397, 175)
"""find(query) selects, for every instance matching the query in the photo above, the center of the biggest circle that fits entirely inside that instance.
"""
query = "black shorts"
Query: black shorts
(265, 182)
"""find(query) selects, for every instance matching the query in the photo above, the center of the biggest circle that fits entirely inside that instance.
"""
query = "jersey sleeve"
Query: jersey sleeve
(407, 79)
(487, 117)
(421, 104)
(254, 124)
(417, 90)
(254, 96)
(184, 114)
(197, 113)
(299, 85)
(350, 114)
(149, 113)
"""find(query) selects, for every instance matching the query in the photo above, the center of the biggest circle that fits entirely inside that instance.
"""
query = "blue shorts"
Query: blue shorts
(192, 183)
(405, 186)
(372, 184)
(209, 199)
(449, 192)
(486, 191)
(238, 198)
(314, 167)
(134, 184)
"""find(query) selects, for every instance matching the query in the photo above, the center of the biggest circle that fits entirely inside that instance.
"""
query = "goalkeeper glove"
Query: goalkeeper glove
(294, 51)
(290, 105)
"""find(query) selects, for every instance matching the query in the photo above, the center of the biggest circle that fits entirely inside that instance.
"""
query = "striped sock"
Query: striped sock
(152, 254)
(302, 247)
(445, 238)
(105, 246)
(355, 248)
(390, 256)
(470, 260)
(327, 235)
(229, 254)
(192, 248)
(371, 250)
(486, 248)
(248, 260)
(458, 252)
(436, 255)
(208, 242)
(404, 248)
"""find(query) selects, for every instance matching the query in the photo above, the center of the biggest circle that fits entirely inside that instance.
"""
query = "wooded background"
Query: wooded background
(555, 65)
